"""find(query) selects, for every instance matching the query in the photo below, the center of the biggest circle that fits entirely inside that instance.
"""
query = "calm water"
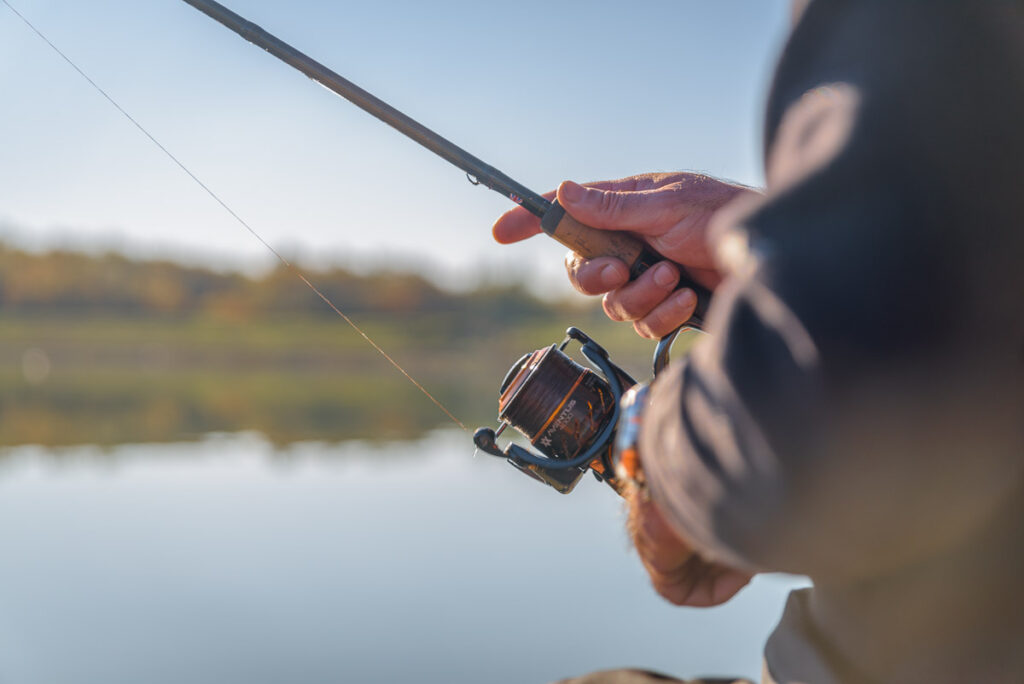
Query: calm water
(230, 560)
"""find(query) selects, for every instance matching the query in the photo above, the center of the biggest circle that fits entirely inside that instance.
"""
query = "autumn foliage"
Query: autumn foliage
(69, 282)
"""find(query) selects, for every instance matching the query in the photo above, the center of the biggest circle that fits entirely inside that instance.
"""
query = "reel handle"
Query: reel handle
(591, 243)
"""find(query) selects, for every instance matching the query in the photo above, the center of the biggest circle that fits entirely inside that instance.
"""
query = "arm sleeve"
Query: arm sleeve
(855, 406)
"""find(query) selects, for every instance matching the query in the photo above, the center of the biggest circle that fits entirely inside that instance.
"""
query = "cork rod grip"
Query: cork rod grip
(591, 243)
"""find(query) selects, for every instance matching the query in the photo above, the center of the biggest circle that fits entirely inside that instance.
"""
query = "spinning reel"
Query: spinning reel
(569, 413)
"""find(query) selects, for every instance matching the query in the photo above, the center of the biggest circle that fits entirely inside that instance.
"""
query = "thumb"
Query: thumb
(647, 212)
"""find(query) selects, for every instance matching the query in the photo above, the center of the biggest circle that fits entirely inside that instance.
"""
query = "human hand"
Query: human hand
(677, 572)
(670, 212)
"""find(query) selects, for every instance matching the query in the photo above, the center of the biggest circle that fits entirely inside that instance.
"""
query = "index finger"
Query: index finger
(518, 224)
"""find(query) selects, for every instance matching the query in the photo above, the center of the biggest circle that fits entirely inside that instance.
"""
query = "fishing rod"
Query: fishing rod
(584, 240)
(579, 420)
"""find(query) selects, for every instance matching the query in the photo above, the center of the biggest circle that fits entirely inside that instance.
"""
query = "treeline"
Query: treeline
(68, 283)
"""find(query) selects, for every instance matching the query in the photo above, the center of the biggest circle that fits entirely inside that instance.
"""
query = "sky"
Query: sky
(544, 91)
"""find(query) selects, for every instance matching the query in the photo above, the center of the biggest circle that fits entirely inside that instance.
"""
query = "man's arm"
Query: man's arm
(856, 406)
(853, 407)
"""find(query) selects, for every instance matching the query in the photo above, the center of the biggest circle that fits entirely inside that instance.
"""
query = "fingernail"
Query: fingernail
(686, 298)
(665, 276)
(611, 276)
(571, 192)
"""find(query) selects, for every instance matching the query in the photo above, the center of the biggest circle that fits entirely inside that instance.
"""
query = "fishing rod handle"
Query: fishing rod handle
(592, 243)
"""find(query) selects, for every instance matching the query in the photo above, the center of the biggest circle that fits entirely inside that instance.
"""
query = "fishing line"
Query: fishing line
(238, 218)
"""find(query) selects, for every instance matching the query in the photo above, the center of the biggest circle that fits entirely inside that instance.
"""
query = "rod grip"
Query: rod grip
(591, 242)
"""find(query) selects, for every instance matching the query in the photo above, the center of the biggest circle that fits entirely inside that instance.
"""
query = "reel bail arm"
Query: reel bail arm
(568, 412)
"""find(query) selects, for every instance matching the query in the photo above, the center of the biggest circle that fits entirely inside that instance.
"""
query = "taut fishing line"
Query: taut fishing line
(238, 218)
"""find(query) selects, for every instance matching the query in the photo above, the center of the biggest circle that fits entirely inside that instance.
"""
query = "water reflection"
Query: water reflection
(112, 409)
(231, 560)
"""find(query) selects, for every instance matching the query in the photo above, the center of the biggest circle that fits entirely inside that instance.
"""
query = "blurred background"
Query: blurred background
(205, 475)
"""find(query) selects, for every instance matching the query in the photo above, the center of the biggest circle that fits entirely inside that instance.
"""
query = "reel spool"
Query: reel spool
(568, 412)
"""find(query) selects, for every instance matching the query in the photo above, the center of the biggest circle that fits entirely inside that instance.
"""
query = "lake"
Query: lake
(230, 559)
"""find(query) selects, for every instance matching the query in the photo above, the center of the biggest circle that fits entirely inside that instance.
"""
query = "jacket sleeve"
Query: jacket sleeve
(857, 403)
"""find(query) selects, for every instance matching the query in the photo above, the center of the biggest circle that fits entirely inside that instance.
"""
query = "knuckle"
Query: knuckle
(659, 324)
(644, 331)
(672, 592)
(664, 319)
(574, 268)
(611, 309)
(626, 306)
(669, 566)
(572, 263)
(611, 203)
(634, 301)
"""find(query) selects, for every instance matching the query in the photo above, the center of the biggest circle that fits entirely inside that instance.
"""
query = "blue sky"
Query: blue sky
(542, 90)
